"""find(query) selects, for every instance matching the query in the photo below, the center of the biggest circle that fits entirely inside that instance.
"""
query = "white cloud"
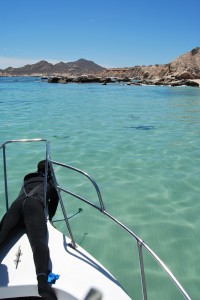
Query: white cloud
(15, 62)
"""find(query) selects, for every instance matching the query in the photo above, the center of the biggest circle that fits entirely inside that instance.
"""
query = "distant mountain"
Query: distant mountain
(44, 68)
(186, 66)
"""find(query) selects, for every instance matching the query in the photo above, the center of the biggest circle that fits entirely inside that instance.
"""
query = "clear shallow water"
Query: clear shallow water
(141, 144)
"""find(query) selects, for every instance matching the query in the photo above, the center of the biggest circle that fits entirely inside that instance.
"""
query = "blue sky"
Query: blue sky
(112, 33)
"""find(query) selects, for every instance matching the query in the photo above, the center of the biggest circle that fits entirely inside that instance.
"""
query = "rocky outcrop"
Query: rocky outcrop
(167, 81)
(137, 72)
(181, 70)
(128, 81)
(79, 79)
(186, 66)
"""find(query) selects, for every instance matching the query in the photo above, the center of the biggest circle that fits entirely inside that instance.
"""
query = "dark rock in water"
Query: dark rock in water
(80, 79)
(65, 80)
(167, 81)
(177, 83)
(105, 80)
(86, 79)
(192, 83)
(62, 80)
(54, 79)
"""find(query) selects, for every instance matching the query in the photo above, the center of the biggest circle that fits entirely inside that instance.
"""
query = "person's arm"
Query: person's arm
(53, 202)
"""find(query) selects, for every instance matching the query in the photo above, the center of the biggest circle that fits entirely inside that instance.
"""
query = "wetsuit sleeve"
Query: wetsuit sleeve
(53, 201)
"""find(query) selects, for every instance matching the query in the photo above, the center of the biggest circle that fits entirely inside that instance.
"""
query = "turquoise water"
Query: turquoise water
(142, 146)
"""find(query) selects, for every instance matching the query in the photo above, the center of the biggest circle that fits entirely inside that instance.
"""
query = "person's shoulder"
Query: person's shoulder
(31, 175)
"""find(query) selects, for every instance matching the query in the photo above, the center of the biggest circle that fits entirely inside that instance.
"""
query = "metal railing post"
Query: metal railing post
(5, 176)
(143, 281)
(61, 202)
(67, 223)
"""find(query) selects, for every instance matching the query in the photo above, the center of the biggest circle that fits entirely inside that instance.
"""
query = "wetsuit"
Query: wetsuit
(27, 212)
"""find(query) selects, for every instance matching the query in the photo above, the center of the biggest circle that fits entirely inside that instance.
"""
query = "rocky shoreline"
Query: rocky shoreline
(184, 70)
(168, 81)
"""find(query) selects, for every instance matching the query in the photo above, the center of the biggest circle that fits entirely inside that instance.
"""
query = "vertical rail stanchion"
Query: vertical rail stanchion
(46, 174)
(143, 281)
(5, 176)
(61, 201)
(67, 223)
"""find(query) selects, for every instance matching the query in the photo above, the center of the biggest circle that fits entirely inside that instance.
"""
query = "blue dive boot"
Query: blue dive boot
(44, 289)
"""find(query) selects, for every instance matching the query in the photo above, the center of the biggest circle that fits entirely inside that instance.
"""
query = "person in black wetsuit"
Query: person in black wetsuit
(27, 212)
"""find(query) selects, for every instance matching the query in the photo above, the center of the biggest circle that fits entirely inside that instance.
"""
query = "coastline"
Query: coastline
(60, 79)
(168, 81)
(184, 70)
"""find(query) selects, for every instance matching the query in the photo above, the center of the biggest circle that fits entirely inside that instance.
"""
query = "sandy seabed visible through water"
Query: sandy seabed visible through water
(141, 144)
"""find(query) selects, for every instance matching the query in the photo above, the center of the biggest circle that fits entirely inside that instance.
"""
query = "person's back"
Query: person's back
(28, 211)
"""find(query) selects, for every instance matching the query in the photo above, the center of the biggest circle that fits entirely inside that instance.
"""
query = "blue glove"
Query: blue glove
(52, 278)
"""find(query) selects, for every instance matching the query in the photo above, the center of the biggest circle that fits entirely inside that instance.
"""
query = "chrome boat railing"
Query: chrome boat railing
(101, 208)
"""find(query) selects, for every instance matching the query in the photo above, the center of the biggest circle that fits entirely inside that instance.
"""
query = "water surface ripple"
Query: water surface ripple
(142, 146)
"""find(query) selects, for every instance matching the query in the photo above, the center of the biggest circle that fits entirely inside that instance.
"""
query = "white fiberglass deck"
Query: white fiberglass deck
(79, 272)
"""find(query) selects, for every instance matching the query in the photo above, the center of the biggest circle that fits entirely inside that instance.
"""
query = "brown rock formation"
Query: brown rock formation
(182, 70)
(186, 66)
(137, 72)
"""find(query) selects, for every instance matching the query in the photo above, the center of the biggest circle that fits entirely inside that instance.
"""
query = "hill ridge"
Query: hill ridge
(186, 66)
